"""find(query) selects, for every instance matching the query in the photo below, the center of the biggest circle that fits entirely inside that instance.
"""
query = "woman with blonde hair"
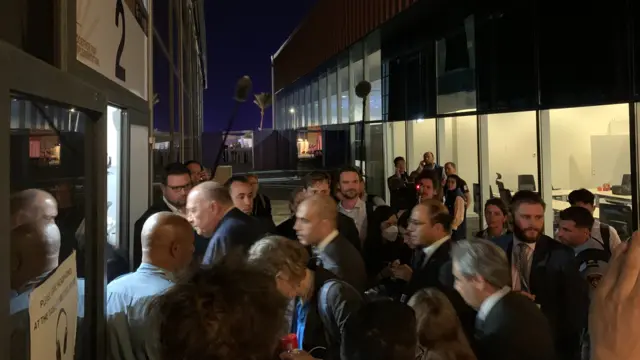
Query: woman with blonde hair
(440, 335)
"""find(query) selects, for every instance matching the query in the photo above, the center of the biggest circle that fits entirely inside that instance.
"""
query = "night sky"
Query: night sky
(241, 37)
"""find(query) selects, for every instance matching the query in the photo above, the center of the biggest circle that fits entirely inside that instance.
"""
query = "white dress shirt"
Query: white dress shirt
(488, 303)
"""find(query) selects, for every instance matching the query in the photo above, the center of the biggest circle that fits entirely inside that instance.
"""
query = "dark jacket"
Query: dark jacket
(342, 259)
(559, 290)
(236, 231)
(262, 211)
(326, 320)
(200, 242)
(514, 329)
(346, 228)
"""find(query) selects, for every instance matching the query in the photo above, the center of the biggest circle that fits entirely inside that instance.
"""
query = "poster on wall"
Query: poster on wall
(53, 314)
(111, 38)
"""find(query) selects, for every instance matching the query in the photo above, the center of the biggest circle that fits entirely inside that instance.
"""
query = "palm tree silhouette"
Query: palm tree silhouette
(263, 100)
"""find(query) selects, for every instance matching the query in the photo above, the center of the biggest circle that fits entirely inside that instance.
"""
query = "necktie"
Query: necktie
(522, 265)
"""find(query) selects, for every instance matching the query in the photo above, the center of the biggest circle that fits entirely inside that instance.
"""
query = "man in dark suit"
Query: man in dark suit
(430, 233)
(509, 326)
(241, 191)
(546, 271)
(316, 226)
(176, 184)
(319, 183)
(211, 212)
(402, 190)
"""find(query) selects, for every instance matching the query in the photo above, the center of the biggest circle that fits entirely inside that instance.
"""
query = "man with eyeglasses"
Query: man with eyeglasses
(176, 184)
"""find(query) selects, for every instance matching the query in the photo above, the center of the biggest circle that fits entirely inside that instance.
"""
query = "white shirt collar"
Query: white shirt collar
(431, 249)
(491, 301)
(171, 207)
(359, 205)
(517, 242)
(327, 240)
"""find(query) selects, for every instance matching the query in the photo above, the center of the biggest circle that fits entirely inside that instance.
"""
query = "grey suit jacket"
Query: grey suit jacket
(344, 260)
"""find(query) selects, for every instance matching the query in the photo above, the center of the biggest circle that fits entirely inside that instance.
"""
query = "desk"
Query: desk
(559, 205)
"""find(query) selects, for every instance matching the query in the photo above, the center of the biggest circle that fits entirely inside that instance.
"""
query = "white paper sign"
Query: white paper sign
(112, 39)
(53, 309)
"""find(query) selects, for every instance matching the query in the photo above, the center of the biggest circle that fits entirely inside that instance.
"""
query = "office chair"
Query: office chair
(526, 182)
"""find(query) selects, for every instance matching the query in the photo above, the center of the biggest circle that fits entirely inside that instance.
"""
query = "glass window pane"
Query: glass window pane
(460, 146)
(374, 65)
(47, 153)
(315, 107)
(322, 94)
(423, 139)
(513, 150)
(590, 150)
(395, 145)
(455, 72)
(344, 93)
(333, 91)
(114, 162)
(357, 67)
(376, 182)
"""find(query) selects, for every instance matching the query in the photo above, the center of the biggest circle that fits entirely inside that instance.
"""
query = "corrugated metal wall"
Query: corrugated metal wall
(332, 26)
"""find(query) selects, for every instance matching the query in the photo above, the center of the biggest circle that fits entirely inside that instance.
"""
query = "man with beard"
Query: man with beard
(546, 271)
(176, 184)
(351, 204)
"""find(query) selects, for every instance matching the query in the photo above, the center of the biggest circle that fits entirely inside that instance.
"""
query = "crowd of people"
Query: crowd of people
(348, 276)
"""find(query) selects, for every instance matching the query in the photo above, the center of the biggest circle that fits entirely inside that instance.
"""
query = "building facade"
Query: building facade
(78, 91)
(542, 93)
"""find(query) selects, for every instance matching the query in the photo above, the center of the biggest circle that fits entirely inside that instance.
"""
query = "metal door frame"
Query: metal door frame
(22, 73)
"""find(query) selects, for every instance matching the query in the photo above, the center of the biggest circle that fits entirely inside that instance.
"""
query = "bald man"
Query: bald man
(167, 249)
(316, 227)
(211, 212)
(32, 205)
(35, 247)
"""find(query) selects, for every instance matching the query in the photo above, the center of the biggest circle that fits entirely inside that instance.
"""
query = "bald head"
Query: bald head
(316, 218)
(35, 248)
(167, 241)
(212, 191)
(32, 205)
(323, 206)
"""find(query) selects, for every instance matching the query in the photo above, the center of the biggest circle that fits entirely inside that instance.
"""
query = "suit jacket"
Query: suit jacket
(137, 230)
(560, 291)
(343, 300)
(347, 228)
(236, 231)
(342, 259)
(262, 211)
(200, 242)
(438, 272)
(514, 329)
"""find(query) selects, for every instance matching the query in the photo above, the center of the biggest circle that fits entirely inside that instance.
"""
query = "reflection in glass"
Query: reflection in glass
(322, 93)
(456, 69)
(47, 152)
(357, 67)
(374, 65)
(333, 91)
(374, 146)
(344, 93)
(590, 149)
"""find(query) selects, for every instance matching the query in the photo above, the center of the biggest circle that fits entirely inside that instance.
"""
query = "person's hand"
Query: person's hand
(401, 271)
(296, 355)
(614, 317)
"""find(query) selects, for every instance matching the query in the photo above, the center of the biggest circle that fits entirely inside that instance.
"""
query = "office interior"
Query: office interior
(505, 97)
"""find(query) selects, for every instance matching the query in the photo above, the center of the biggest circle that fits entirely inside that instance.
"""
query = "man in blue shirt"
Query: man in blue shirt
(167, 249)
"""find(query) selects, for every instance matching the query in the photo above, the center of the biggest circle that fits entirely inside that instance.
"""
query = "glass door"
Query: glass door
(53, 167)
